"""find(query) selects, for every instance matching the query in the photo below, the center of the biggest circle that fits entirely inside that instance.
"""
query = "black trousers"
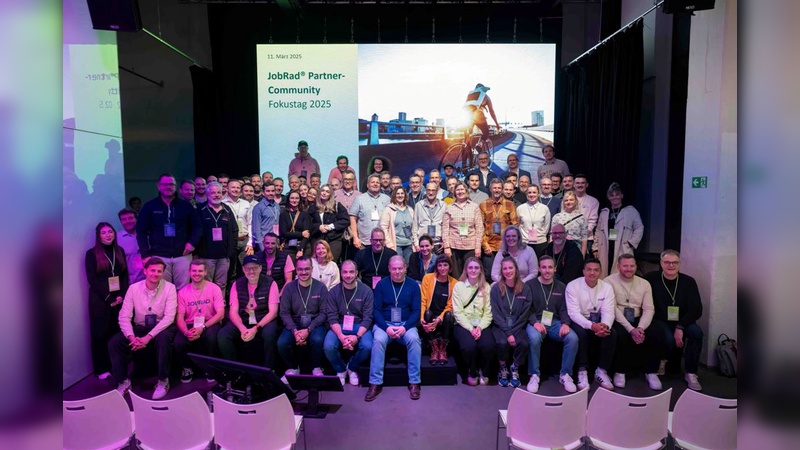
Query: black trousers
(518, 353)
(120, 350)
(102, 328)
(205, 345)
(470, 349)
(587, 339)
(230, 337)
(628, 352)
(459, 257)
(443, 331)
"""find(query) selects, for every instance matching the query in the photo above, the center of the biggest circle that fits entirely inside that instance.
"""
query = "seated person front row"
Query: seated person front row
(510, 320)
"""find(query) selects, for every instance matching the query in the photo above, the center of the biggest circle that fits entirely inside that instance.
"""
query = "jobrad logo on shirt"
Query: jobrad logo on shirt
(198, 302)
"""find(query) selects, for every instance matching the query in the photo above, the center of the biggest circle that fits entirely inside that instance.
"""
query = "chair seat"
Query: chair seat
(604, 446)
(524, 446)
(503, 416)
(298, 422)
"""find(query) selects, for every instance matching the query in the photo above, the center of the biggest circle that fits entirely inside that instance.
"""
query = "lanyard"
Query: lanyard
(151, 295)
(633, 285)
(347, 302)
(614, 214)
(547, 296)
(496, 209)
(397, 293)
(531, 210)
(379, 260)
(672, 295)
(549, 199)
(113, 262)
(430, 214)
(560, 255)
(169, 213)
(594, 296)
(305, 302)
(215, 217)
(510, 300)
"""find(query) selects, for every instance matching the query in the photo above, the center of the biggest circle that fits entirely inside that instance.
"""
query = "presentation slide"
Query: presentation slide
(419, 105)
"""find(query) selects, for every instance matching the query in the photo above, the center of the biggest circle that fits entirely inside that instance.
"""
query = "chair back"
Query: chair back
(98, 422)
(704, 421)
(628, 422)
(177, 424)
(267, 425)
(548, 422)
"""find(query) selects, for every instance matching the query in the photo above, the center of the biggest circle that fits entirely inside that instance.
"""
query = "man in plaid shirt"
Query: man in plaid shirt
(498, 213)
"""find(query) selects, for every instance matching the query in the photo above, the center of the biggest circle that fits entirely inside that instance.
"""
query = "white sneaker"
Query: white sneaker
(104, 375)
(619, 380)
(566, 381)
(482, 380)
(653, 381)
(162, 387)
(693, 382)
(662, 367)
(353, 375)
(533, 384)
(318, 372)
(602, 377)
(341, 376)
(289, 372)
(583, 379)
(124, 387)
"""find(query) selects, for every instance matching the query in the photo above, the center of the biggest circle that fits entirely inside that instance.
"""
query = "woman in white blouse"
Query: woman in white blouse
(573, 220)
(322, 266)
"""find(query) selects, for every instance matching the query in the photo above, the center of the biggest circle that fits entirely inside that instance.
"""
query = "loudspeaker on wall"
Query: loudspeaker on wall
(115, 15)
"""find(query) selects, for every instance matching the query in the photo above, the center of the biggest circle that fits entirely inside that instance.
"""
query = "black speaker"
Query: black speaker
(115, 15)
(679, 6)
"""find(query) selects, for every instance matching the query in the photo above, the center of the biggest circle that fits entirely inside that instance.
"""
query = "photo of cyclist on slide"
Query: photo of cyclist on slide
(478, 101)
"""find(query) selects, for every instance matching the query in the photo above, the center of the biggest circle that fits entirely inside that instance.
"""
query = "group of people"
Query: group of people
(496, 265)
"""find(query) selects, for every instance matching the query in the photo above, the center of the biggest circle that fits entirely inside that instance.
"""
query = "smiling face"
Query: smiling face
(397, 269)
(671, 265)
(270, 244)
(627, 268)
(200, 186)
(548, 153)
(547, 269)
(532, 194)
(415, 183)
(386, 180)
(320, 252)
(569, 202)
(377, 166)
(435, 177)
(376, 241)
(153, 273)
(197, 272)
(473, 271)
(248, 192)
(580, 185)
(303, 190)
(425, 247)
(559, 234)
(512, 237)
(547, 185)
(431, 191)
(303, 269)
(615, 198)
(591, 272)
(461, 193)
(400, 196)
(167, 186)
(187, 191)
(349, 272)
(128, 221)
(325, 193)
(443, 267)
(294, 183)
(294, 200)
(341, 164)
(509, 271)
(107, 235)
(214, 194)
(513, 161)
(234, 188)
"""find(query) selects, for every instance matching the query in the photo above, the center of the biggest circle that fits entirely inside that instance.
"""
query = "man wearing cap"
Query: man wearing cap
(303, 164)
(449, 171)
(478, 101)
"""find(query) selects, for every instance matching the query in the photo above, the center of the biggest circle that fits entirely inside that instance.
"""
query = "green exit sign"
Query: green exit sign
(699, 182)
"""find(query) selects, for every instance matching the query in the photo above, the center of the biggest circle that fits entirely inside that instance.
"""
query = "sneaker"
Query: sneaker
(472, 381)
(318, 372)
(566, 380)
(533, 384)
(124, 387)
(353, 375)
(104, 375)
(662, 367)
(514, 376)
(693, 382)
(289, 372)
(619, 380)
(482, 380)
(583, 379)
(341, 376)
(502, 376)
(602, 377)
(186, 375)
(653, 381)
(162, 387)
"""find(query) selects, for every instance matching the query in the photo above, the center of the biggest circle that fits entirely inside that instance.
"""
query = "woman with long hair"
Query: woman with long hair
(323, 268)
(329, 220)
(511, 303)
(303, 191)
(396, 222)
(107, 274)
(511, 246)
(573, 220)
(472, 312)
(295, 226)
(375, 166)
(436, 318)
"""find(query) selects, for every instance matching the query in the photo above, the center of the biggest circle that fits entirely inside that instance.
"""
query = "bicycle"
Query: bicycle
(463, 156)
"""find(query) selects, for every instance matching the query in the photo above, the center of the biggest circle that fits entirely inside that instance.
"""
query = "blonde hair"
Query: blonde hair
(482, 285)
(328, 256)
(328, 206)
(569, 193)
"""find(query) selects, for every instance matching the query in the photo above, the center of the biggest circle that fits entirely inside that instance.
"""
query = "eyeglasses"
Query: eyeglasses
(251, 268)
(670, 263)
(378, 240)
(557, 233)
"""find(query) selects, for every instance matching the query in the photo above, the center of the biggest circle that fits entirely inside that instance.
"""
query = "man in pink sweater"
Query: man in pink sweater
(303, 164)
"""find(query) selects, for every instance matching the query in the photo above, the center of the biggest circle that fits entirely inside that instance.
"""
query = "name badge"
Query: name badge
(495, 227)
(463, 229)
(169, 230)
(348, 322)
(474, 322)
(375, 215)
(239, 224)
(629, 314)
(532, 235)
(673, 313)
(547, 318)
(594, 317)
(150, 320)
(396, 314)
(305, 320)
(303, 173)
(432, 230)
(216, 234)
(375, 281)
(199, 321)
(510, 321)
(251, 320)
(276, 229)
(113, 284)
(407, 231)
(612, 234)
(292, 243)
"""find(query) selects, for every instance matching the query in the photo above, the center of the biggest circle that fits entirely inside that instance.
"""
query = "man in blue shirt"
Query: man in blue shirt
(265, 216)
(397, 304)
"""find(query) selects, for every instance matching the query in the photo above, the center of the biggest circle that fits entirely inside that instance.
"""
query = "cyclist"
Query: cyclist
(478, 101)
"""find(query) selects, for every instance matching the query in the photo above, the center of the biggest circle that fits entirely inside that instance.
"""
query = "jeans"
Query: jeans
(535, 338)
(217, 272)
(413, 345)
(692, 338)
(405, 252)
(587, 338)
(287, 347)
(177, 270)
(653, 348)
(470, 347)
(119, 349)
(332, 345)
(229, 336)
(205, 345)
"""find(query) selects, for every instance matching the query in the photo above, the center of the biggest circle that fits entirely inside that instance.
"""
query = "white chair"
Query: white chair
(269, 425)
(536, 421)
(102, 422)
(702, 422)
(179, 424)
(616, 421)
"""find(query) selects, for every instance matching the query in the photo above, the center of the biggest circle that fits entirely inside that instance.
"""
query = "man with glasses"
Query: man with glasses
(547, 198)
(484, 172)
(522, 191)
(415, 194)
(428, 215)
(555, 179)
(346, 196)
(567, 257)
(169, 228)
(373, 261)
(678, 307)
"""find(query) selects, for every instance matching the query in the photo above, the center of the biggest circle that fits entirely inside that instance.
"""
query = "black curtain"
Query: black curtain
(205, 110)
(597, 131)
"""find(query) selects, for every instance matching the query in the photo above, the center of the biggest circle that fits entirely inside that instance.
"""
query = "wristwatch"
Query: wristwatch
(679, 327)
